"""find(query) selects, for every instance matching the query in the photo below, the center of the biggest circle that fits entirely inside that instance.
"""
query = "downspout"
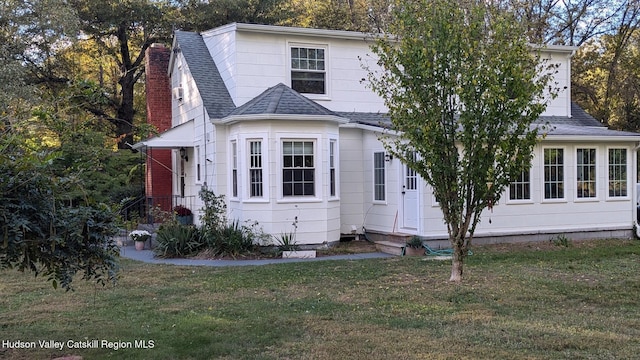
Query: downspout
(206, 157)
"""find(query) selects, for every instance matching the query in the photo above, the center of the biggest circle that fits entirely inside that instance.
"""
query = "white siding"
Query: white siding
(540, 215)
(352, 176)
(251, 62)
(318, 217)
(561, 105)
(380, 216)
(190, 107)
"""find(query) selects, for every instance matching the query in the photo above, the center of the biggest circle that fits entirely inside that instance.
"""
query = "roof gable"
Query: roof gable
(282, 100)
(215, 96)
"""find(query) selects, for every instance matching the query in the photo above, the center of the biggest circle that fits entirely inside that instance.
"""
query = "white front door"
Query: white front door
(409, 198)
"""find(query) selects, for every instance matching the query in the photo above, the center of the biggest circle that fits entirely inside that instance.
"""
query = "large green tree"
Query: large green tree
(197, 15)
(605, 75)
(120, 32)
(354, 15)
(463, 90)
(40, 229)
(50, 222)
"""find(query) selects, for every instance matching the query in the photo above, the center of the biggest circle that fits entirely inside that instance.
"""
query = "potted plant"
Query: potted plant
(139, 237)
(414, 247)
(183, 215)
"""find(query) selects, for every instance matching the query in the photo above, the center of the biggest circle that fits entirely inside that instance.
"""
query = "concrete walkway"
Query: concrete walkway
(130, 252)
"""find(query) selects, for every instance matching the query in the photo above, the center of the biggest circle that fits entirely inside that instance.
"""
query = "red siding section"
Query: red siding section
(158, 92)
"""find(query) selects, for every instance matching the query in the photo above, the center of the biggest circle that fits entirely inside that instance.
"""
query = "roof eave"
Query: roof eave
(588, 138)
(286, 30)
(368, 127)
(229, 120)
(176, 137)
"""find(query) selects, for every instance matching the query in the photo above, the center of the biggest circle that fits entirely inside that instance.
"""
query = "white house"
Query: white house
(279, 121)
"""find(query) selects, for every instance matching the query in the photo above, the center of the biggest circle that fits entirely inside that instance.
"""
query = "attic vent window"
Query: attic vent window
(308, 72)
(178, 93)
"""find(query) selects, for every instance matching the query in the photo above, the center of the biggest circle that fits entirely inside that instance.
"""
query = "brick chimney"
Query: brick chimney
(159, 176)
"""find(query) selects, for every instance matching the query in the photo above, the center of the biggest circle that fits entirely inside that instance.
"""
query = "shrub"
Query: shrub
(176, 240)
(561, 240)
(286, 241)
(181, 210)
(232, 239)
(214, 213)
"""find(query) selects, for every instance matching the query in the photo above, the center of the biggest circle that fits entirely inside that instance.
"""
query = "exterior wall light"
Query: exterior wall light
(183, 154)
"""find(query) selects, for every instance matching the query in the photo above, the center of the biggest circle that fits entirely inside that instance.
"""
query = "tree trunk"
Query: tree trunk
(457, 263)
(126, 112)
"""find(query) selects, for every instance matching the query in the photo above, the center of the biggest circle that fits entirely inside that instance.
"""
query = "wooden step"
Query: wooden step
(390, 247)
(397, 237)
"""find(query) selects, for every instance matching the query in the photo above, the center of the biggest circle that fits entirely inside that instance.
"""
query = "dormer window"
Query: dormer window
(308, 70)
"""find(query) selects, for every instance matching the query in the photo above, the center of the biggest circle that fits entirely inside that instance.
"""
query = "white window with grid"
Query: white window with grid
(553, 173)
(586, 173)
(617, 173)
(379, 177)
(255, 169)
(298, 168)
(234, 169)
(332, 168)
(520, 189)
(308, 69)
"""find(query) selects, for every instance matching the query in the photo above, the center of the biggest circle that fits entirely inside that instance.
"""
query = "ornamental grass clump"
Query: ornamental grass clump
(177, 240)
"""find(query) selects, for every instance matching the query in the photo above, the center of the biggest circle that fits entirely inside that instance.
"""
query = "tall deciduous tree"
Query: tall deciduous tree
(565, 22)
(122, 31)
(198, 15)
(354, 15)
(606, 77)
(463, 90)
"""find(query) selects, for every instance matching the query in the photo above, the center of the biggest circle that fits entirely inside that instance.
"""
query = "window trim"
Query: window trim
(234, 173)
(327, 77)
(384, 178)
(628, 178)
(250, 168)
(333, 156)
(510, 201)
(596, 182)
(318, 158)
(197, 154)
(564, 175)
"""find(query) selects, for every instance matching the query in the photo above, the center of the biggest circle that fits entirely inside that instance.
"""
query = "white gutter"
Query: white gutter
(285, 30)
(293, 117)
(590, 138)
(371, 128)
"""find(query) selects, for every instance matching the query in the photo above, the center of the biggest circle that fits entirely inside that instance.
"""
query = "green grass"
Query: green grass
(534, 301)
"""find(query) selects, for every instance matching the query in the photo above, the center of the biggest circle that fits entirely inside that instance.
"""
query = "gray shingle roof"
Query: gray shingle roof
(373, 119)
(213, 91)
(579, 124)
(579, 117)
(587, 131)
(281, 99)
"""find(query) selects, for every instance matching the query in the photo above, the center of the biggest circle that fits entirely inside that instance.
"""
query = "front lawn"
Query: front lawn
(532, 301)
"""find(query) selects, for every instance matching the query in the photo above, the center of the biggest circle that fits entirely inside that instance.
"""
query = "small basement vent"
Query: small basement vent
(178, 93)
